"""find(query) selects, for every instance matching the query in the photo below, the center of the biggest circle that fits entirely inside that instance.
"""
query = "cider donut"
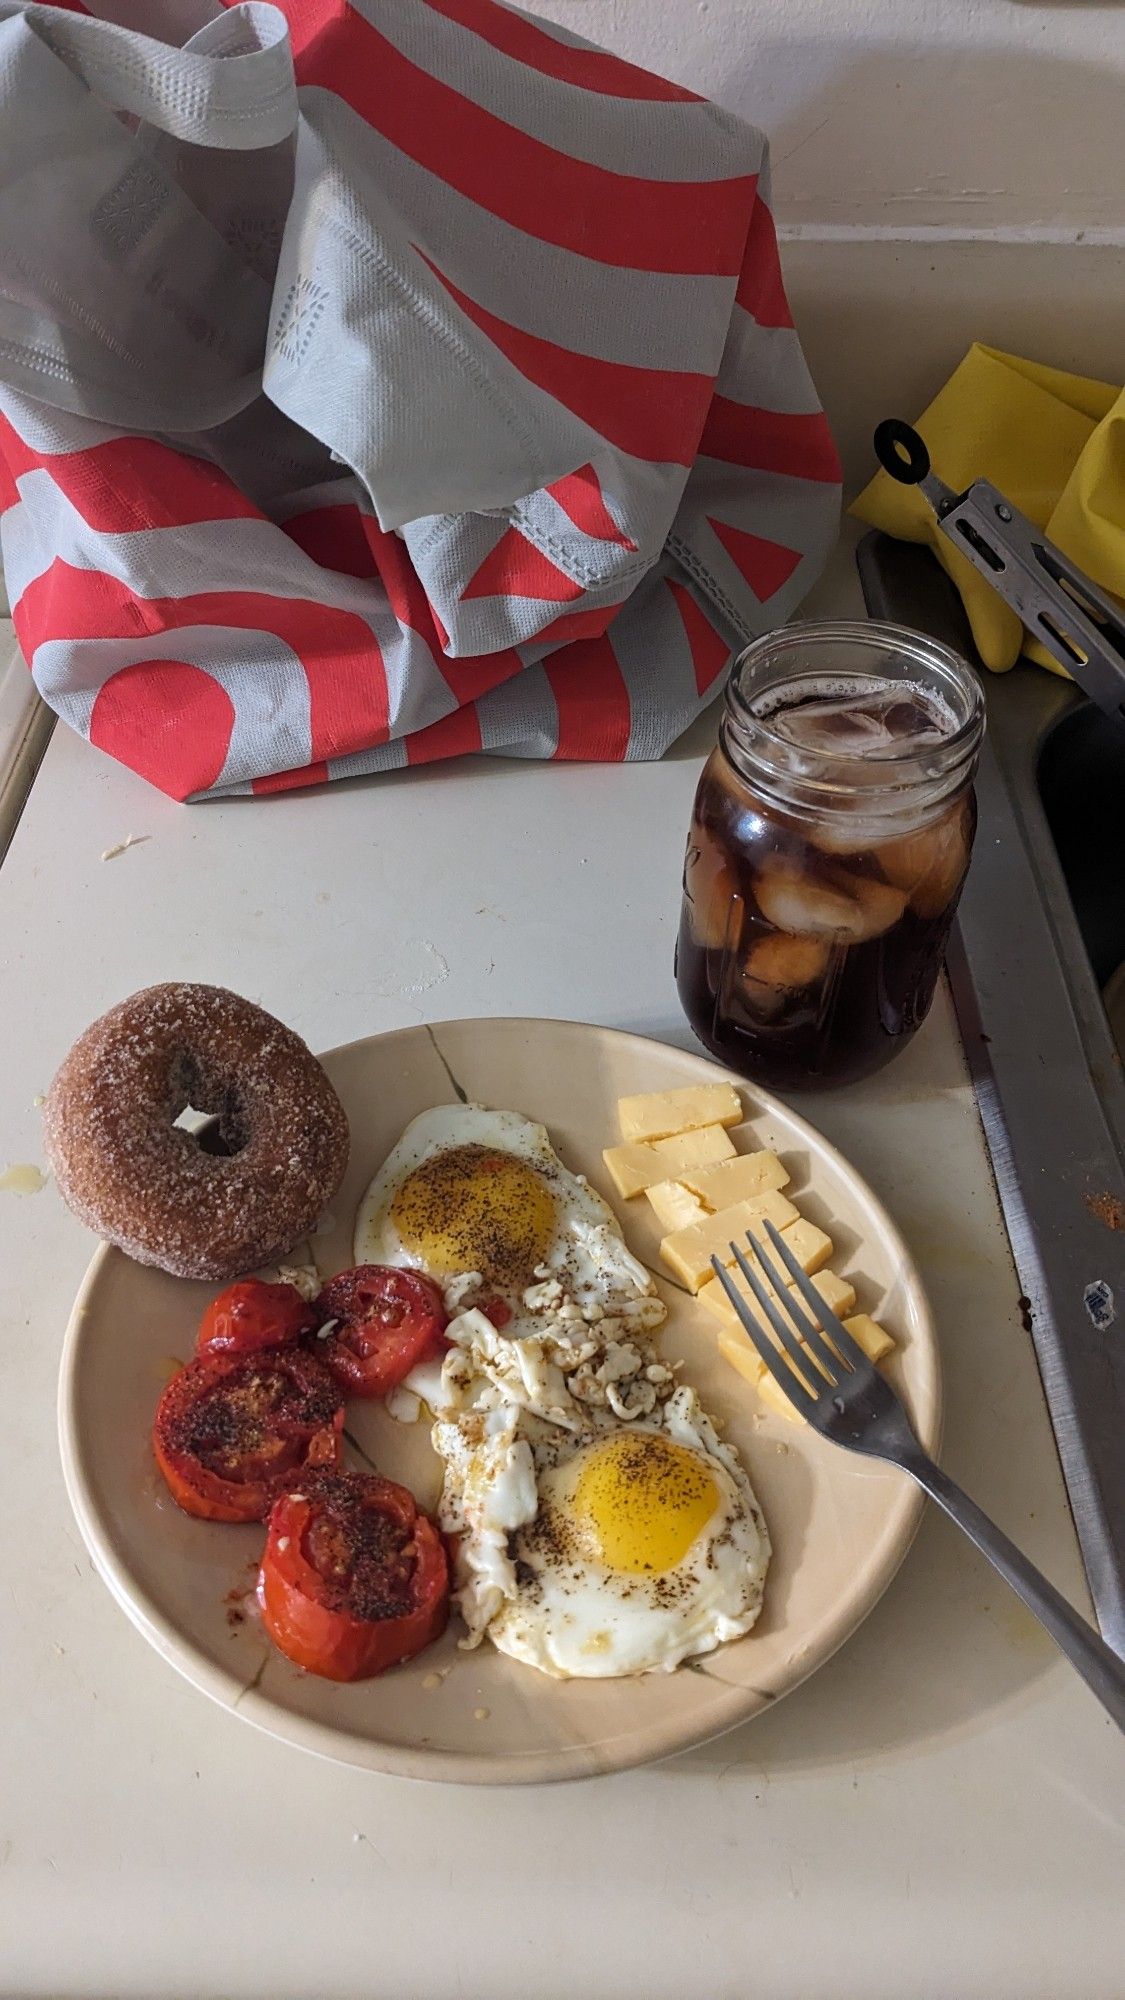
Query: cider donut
(128, 1171)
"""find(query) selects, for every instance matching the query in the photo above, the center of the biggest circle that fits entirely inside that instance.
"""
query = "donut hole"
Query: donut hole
(209, 1109)
(206, 1128)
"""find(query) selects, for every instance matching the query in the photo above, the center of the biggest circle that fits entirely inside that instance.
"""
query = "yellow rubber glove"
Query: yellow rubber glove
(1055, 446)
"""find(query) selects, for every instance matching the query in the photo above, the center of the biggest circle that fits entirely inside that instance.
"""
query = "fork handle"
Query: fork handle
(1100, 1667)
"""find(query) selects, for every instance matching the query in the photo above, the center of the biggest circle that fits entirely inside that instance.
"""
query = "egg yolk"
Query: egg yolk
(474, 1208)
(641, 1501)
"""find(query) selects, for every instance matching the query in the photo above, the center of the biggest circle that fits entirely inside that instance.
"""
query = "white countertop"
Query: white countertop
(932, 1815)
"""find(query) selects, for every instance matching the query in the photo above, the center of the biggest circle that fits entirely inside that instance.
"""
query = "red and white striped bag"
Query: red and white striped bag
(382, 380)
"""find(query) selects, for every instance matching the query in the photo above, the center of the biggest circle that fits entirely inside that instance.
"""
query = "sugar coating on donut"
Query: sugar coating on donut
(130, 1173)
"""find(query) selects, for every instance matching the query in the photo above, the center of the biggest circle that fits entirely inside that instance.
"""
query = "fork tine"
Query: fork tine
(785, 1376)
(850, 1350)
(776, 1318)
(819, 1351)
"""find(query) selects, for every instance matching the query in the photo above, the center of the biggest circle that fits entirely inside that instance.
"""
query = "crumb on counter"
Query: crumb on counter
(123, 846)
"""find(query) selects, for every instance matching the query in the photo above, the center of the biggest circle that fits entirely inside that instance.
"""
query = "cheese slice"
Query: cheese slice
(702, 1147)
(688, 1252)
(810, 1246)
(735, 1180)
(775, 1398)
(744, 1356)
(838, 1295)
(874, 1339)
(634, 1168)
(638, 1165)
(674, 1205)
(715, 1299)
(741, 1353)
(657, 1114)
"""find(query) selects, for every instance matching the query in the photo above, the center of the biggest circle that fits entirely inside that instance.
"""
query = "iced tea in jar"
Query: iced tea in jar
(829, 842)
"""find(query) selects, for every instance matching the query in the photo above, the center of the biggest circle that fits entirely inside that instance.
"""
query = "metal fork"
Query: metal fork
(852, 1404)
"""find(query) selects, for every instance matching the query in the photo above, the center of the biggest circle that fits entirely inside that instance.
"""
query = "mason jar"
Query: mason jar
(829, 842)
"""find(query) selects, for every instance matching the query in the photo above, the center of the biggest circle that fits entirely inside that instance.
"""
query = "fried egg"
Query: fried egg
(622, 1550)
(481, 1202)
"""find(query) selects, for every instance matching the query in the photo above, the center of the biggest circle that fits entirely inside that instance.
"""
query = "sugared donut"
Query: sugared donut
(130, 1173)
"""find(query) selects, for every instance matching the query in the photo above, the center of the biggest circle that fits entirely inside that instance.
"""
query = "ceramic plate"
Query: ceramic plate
(840, 1524)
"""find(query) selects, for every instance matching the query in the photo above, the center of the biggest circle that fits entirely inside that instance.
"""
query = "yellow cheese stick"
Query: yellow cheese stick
(838, 1294)
(810, 1246)
(634, 1168)
(688, 1252)
(704, 1146)
(874, 1339)
(739, 1350)
(674, 1205)
(659, 1113)
(735, 1180)
(637, 1166)
(775, 1399)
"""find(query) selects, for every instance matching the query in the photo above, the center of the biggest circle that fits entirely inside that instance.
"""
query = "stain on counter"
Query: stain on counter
(23, 1178)
(1108, 1209)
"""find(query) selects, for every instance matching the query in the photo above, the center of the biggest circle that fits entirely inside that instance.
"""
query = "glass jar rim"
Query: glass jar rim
(828, 780)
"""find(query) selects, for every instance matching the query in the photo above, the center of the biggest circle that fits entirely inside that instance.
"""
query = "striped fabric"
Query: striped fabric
(420, 383)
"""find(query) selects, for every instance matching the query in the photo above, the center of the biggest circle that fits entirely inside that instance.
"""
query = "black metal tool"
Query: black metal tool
(1079, 624)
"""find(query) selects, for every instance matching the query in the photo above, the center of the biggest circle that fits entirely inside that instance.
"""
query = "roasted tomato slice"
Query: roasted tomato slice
(386, 1321)
(250, 1317)
(354, 1579)
(233, 1430)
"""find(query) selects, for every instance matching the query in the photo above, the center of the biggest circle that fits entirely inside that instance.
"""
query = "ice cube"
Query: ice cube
(876, 720)
(929, 864)
(711, 887)
(846, 908)
(880, 904)
(778, 967)
(847, 829)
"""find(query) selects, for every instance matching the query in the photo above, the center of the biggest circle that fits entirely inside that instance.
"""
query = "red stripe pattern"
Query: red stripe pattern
(517, 569)
(709, 650)
(168, 721)
(592, 702)
(761, 290)
(534, 524)
(646, 412)
(766, 566)
(453, 735)
(133, 483)
(580, 496)
(618, 218)
(346, 683)
(577, 625)
(589, 69)
(801, 447)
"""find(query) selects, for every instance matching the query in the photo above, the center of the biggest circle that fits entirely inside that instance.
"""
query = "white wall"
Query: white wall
(906, 116)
